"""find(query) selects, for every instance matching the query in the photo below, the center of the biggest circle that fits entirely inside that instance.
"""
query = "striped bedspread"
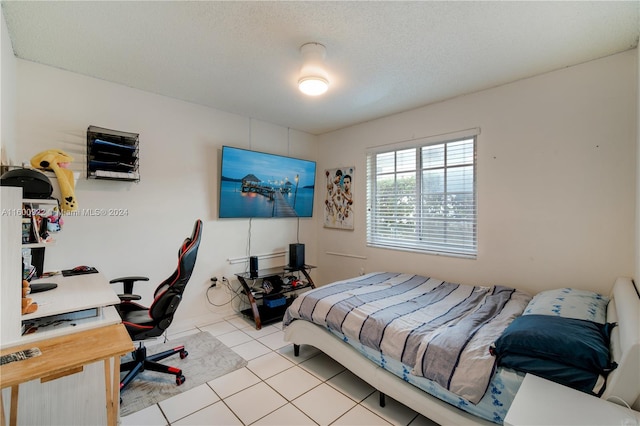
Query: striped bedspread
(440, 329)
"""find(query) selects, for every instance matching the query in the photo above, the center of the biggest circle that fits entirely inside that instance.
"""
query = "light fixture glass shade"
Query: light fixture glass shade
(313, 86)
(313, 77)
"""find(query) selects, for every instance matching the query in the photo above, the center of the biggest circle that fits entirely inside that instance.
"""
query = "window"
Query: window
(423, 197)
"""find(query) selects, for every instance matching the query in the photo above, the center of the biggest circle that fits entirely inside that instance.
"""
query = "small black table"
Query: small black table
(260, 313)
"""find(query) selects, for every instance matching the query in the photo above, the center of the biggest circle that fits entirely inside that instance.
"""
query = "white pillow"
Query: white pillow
(569, 303)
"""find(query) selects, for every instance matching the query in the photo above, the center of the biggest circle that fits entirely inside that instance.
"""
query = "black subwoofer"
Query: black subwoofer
(296, 256)
(253, 266)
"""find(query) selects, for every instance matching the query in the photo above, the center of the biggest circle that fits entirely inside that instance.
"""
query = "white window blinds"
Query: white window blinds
(423, 197)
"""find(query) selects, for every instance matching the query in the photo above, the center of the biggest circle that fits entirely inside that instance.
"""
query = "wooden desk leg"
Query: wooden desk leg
(13, 413)
(3, 420)
(112, 383)
(108, 397)
(116, 389)
(13, 408)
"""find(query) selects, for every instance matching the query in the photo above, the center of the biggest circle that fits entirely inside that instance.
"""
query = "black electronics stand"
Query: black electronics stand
(259, 311)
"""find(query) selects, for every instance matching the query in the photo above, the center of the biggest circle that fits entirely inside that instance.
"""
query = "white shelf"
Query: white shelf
(38, 245)
(105, 316)
(48, 201)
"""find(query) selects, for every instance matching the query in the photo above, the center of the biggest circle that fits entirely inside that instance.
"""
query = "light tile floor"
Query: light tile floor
(275, 388)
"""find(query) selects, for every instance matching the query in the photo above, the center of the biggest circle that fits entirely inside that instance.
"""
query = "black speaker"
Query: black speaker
(296, 256)
(253, 266)
(37, 260)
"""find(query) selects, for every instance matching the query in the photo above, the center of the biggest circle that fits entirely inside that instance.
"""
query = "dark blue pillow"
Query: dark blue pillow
(578, 343)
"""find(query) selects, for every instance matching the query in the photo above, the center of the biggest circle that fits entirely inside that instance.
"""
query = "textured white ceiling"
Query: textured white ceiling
(382, 57)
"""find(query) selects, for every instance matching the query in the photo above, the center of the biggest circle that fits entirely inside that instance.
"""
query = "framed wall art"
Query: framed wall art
(338, 201)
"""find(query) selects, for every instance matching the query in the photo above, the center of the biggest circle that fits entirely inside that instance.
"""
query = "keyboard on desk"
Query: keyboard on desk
(79, 271)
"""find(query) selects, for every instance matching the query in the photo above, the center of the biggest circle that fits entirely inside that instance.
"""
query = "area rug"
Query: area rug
(208, 359)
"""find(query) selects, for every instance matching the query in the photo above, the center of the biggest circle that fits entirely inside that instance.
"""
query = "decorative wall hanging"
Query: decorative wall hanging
(338, 202)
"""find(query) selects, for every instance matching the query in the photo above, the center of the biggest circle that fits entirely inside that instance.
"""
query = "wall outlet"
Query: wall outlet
(361, 271)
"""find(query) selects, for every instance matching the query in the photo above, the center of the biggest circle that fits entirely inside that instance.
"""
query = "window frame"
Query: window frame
(421, 242)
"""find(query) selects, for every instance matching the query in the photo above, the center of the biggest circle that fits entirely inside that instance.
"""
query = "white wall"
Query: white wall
(555, 181)
(7, 94)
(179, 166)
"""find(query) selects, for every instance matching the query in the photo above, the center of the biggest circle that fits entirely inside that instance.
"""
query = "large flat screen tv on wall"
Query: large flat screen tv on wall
(261, 185)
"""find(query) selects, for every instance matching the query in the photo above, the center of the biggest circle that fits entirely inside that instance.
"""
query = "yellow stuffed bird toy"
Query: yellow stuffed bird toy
(58, 161)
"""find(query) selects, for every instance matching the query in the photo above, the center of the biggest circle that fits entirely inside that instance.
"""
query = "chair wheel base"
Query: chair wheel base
(143, 362)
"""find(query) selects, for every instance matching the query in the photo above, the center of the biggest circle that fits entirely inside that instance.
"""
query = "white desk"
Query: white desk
(73, 294)
(543, 402)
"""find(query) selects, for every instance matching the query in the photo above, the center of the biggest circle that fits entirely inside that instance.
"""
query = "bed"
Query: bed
(352, 321)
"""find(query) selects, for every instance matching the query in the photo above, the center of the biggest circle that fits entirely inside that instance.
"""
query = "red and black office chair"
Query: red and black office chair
(142, 322)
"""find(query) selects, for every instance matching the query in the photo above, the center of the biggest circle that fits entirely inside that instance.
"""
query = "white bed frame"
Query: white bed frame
(624, 382)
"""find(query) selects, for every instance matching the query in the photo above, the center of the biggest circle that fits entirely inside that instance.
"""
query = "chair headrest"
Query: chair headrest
(188, 242)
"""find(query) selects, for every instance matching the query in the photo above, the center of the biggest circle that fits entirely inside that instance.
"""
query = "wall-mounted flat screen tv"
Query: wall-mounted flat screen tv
(257, 184)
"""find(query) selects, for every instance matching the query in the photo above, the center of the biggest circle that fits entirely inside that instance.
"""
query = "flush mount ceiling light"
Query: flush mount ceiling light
(313, 78)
